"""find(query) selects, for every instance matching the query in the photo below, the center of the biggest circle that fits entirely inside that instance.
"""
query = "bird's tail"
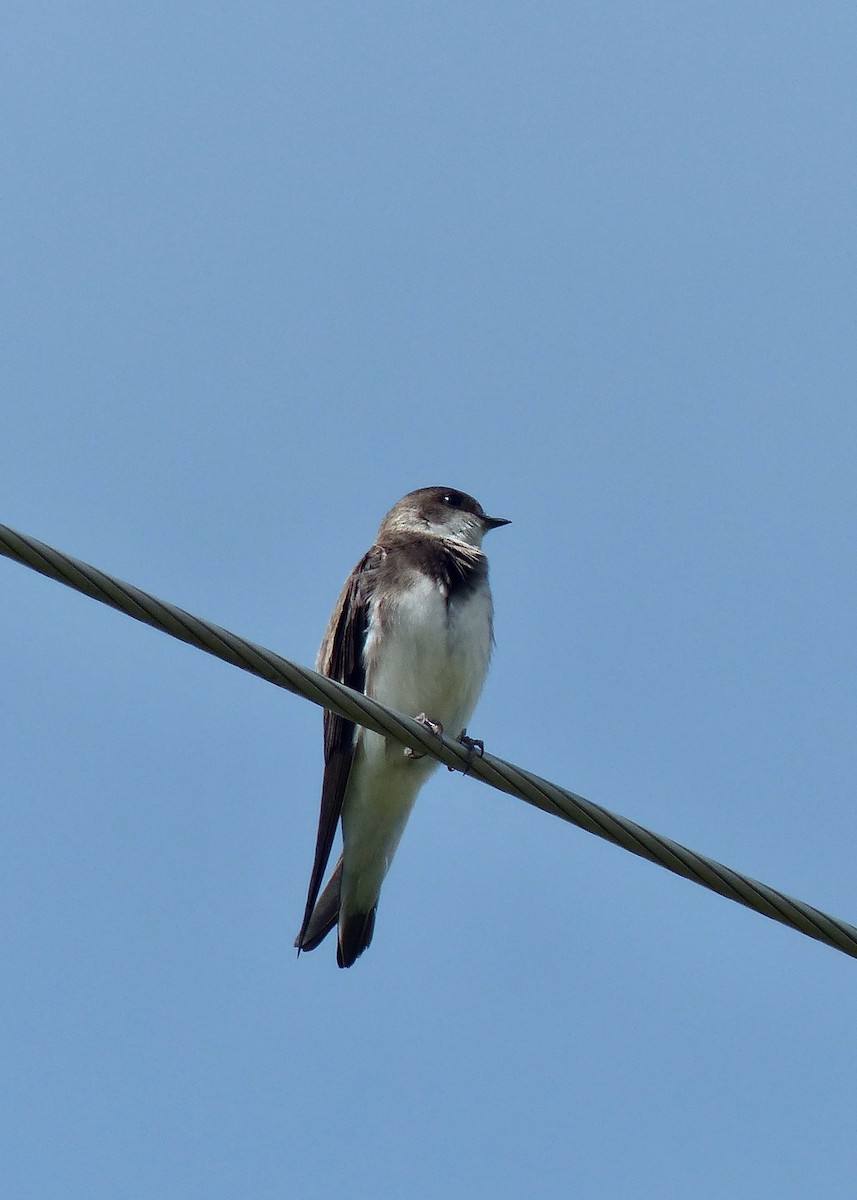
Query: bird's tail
(355, 934)
(356, 929)
(324, 915)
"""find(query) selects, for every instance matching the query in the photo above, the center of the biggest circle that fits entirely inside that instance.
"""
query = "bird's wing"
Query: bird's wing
(341, 658)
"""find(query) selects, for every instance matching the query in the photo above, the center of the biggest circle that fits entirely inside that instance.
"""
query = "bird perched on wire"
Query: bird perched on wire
(413, 629)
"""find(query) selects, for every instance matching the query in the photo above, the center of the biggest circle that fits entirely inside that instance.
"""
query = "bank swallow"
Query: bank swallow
(413, 629)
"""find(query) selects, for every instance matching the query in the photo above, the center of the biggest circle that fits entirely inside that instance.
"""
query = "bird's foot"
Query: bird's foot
(472, 745)
(434, 727)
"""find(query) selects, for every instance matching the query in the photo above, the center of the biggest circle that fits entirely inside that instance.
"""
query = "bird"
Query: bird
(413, 629)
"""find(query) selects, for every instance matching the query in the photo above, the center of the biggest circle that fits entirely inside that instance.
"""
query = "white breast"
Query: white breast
(431, 658)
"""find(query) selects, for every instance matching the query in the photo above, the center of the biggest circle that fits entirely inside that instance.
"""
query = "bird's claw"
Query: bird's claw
(434, 727)
(472, 745)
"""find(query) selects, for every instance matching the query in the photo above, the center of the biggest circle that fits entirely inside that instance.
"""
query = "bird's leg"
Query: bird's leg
(434, 727)
(471, 745)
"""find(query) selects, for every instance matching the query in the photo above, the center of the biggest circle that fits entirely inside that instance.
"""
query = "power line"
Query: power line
(504, 776)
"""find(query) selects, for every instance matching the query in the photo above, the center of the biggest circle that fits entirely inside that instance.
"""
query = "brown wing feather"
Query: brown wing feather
(341, 658)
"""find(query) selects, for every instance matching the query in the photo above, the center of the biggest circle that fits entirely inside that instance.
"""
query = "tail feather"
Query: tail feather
(355, 934)
(324, 915)
(355, 931)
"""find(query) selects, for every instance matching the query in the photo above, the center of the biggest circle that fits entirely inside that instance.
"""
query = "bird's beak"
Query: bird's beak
(495, 522)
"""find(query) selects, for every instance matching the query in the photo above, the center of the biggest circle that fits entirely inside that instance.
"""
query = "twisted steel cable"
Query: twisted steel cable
(504, 776)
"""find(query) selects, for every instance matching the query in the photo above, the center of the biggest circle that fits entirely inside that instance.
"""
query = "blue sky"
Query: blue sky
(267, 268)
